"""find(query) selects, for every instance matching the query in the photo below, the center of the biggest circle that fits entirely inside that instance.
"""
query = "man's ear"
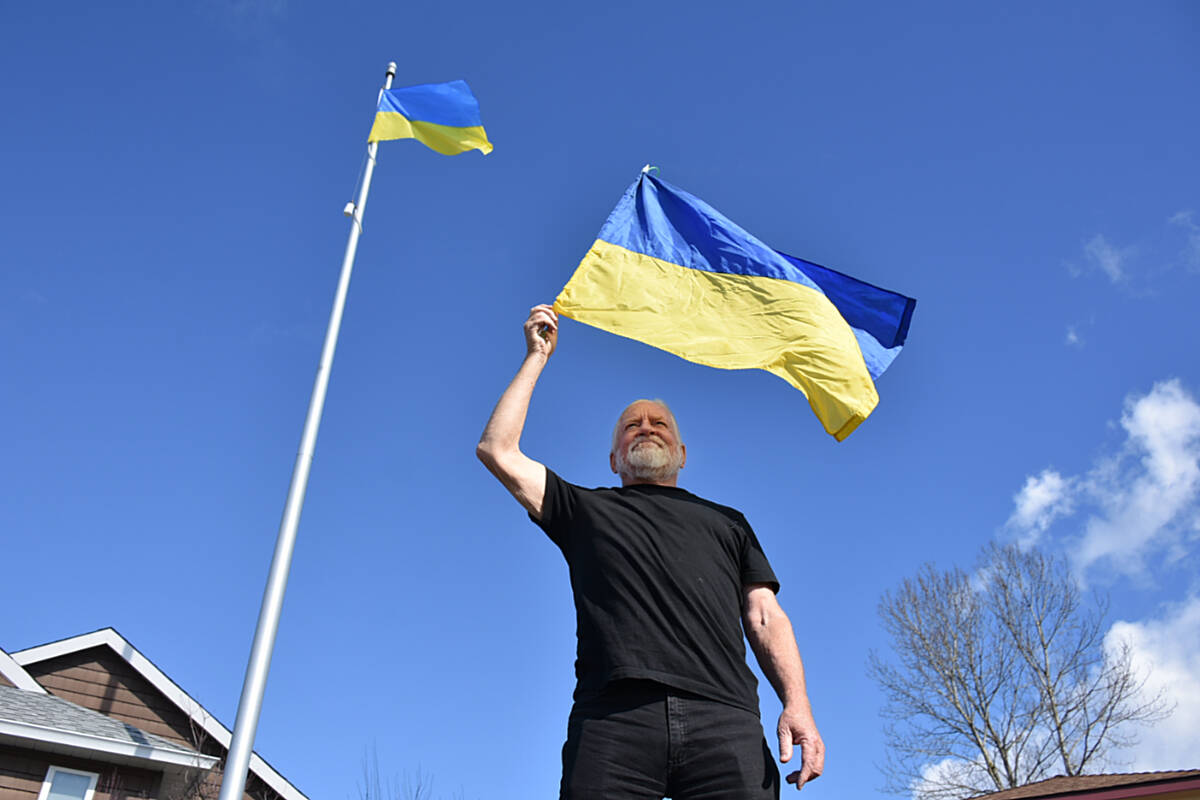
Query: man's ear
(683, 454)
(612, 461)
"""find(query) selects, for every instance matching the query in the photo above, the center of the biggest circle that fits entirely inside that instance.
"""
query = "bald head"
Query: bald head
(646, 447)
(663, 409)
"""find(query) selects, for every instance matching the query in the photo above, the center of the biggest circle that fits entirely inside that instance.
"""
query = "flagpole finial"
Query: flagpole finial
(646, 170)
(391, 69)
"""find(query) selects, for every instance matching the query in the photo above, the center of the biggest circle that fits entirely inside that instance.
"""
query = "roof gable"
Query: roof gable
(72, 651)
(99, 679)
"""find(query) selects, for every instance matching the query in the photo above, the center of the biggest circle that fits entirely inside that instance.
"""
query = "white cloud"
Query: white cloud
(1155, 252)
(1167, 651)
(1137, 505)
(1142, 502)
(1191, 250)
(939, 778)
(1041, 500)
(1184, 219)
(1110, 260)
(1150, 491)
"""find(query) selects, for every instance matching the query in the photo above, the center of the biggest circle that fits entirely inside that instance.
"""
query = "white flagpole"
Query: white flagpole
(233, 783)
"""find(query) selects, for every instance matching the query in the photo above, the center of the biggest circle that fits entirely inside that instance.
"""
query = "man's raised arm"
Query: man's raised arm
(499, 447)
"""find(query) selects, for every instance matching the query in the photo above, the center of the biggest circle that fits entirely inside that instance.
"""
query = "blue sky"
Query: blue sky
(174, 175)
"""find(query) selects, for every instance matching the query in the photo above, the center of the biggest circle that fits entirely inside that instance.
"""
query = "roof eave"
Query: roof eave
(37, 737)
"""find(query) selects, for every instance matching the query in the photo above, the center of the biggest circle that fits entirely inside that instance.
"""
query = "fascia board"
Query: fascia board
(17, 675)
(1136, 790)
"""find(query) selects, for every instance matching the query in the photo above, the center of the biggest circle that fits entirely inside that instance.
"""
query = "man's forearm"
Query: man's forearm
(499, 447)
(502, 434)
(774, 644)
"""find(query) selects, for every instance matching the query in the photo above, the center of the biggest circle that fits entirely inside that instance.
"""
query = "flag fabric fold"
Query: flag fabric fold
(442, 116)
(671, 271)
(878, 317)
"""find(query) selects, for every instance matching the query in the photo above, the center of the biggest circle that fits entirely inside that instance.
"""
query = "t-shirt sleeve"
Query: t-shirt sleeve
(755, 567)
(558, 508)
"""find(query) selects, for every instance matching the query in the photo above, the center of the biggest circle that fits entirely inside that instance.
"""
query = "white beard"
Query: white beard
(649, 460)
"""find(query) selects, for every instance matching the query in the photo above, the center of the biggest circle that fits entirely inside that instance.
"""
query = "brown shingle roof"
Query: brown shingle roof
(1062, 785)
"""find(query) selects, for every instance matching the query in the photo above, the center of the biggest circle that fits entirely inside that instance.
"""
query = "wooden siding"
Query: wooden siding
(5, 681)
(23, 771)
(99, 679)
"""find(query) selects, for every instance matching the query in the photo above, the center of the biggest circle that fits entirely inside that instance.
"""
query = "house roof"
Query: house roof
(1103, 787)
(186, 703)
(15, 674)
(43, 721)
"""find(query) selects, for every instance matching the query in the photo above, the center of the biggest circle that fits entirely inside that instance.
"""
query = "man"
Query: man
(665, 704)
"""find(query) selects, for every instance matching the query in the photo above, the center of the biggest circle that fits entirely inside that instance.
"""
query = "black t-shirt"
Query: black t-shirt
(658, 577)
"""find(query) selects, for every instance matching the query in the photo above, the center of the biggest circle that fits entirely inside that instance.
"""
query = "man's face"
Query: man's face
(646, 446)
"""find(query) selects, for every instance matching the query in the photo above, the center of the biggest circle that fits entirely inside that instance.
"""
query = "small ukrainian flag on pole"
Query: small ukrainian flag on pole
(442, 116)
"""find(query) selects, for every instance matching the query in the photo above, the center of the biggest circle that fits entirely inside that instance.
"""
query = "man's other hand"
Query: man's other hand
(541, 331)
(797, 728)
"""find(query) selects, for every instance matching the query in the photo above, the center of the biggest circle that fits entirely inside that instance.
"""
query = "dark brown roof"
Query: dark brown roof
(1085, 785)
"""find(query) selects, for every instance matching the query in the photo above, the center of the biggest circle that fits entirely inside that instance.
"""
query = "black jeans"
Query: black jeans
(640, 740)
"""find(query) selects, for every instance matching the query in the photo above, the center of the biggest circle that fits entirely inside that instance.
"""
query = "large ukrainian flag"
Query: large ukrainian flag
(443, 116)
(670, 270)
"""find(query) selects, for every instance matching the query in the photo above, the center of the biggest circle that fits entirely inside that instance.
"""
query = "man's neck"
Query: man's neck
(670, 481)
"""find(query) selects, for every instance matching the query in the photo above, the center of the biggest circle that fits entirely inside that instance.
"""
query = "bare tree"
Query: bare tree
(373, 786)
(1001, 678)
(195, 783)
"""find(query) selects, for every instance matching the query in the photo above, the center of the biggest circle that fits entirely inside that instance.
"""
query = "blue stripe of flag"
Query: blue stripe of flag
(450, 104)
(661, 221)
